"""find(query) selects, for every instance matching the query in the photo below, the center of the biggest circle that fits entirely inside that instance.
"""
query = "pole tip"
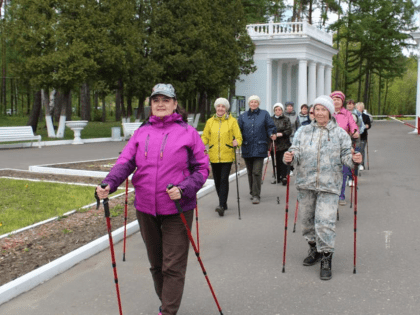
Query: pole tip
(283, 271)
(354, 270)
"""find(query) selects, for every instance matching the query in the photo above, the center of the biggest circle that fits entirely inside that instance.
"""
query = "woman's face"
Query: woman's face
(254, 104)
(220, 110)
(338, 103)
(163, 105)
(311, 114)
(304, 111)
(350, 106)
(278, 111)
(322, 115)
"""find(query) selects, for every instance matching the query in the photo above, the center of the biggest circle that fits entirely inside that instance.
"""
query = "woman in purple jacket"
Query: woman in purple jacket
(164, 150)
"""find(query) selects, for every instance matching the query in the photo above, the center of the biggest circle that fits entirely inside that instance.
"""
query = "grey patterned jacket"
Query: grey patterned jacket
(319, 155)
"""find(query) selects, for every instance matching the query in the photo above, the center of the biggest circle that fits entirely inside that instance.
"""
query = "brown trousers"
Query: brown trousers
(167, 247)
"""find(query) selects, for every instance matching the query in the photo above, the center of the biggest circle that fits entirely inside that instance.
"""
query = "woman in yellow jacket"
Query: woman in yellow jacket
(222, 134)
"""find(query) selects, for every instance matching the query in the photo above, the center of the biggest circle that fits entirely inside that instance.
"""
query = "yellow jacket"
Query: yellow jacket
(218, 133)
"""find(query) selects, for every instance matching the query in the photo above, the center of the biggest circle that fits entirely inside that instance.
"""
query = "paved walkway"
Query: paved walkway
(243, 258)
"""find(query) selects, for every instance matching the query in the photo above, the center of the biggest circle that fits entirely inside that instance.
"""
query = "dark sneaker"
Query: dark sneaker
(313, 256)
(220, 210)
(256, 200)
(326, 273)
(284, 181)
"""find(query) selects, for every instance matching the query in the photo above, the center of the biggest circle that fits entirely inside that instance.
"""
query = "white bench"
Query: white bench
(23, 133)
(129, 128)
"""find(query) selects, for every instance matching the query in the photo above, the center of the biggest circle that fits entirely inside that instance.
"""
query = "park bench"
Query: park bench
(18, 133)
(129, 128)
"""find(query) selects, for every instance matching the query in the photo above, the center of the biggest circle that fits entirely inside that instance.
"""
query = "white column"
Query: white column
(311, 82)
(289, 82)
(279, 81)
(269, 85)
(303, 83)
(327, 82)
(320, 86)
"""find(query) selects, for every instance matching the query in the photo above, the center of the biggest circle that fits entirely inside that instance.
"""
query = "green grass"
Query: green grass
(23, 202)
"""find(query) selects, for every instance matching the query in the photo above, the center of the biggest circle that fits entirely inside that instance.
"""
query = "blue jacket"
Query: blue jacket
(256, 127)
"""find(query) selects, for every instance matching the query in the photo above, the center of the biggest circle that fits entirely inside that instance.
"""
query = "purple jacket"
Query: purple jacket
(345, 120)
(167, 151)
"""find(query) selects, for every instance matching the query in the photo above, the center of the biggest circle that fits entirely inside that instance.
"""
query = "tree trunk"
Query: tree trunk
(58, 104)
(85, 107)
(28, 100)
(379, 94)
(386, 96)
(103, 119)
(63, 100)
(46, 103)
(365, 94)
(36, 111)
(140, 112)
(69, 105)
(118, 105)
(310, 12)
(129, 103)
(359, 93)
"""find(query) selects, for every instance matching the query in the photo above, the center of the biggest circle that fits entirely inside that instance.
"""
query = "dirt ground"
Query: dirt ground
(28, 250)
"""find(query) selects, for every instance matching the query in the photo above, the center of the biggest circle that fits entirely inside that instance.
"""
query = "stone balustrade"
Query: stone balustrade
(288, 29)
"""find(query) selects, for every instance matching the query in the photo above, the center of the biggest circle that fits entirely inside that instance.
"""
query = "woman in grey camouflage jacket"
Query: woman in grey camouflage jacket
(318, 152)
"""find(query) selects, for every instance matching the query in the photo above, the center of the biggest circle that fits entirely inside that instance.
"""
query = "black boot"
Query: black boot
(313, 256)
(220, 210)
(326, 266)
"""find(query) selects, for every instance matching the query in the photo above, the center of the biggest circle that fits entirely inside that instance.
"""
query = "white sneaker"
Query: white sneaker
(291, 173)
(351, 183)
(361, 168)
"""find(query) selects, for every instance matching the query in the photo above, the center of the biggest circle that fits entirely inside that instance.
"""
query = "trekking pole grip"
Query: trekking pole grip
(178, 206)
(105, 202)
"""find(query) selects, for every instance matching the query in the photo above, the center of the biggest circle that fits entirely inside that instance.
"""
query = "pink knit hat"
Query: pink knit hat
(338, 94)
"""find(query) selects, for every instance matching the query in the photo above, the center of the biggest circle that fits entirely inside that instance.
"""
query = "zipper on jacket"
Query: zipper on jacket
(319, 156)
(162, 148)
(220, 127)
(146, 146)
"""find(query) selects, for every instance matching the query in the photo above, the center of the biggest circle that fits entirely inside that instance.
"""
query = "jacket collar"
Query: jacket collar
(158, 122)
(256, 112)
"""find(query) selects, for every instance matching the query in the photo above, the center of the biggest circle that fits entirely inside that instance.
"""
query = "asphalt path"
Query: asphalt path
(243, 258)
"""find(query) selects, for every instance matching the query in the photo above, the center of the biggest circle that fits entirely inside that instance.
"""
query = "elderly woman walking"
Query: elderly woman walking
(318, 151)
(222, 135)
(345, 120)
(164, 150)
(282, 143)
(257, 128)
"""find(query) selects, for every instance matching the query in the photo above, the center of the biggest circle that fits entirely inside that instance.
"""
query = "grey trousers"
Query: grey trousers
(167, 247)
(318, 212)
(254, 168)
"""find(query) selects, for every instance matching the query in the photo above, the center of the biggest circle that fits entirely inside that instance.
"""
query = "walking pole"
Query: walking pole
(125, 217)
(367, 145)
(355, 221)
(237, 181)
(197, 253)
(296, 215)
(111, 243)
(275, 168)
(351, 189)
(196, 226)
(266, 164)
(286, 218)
